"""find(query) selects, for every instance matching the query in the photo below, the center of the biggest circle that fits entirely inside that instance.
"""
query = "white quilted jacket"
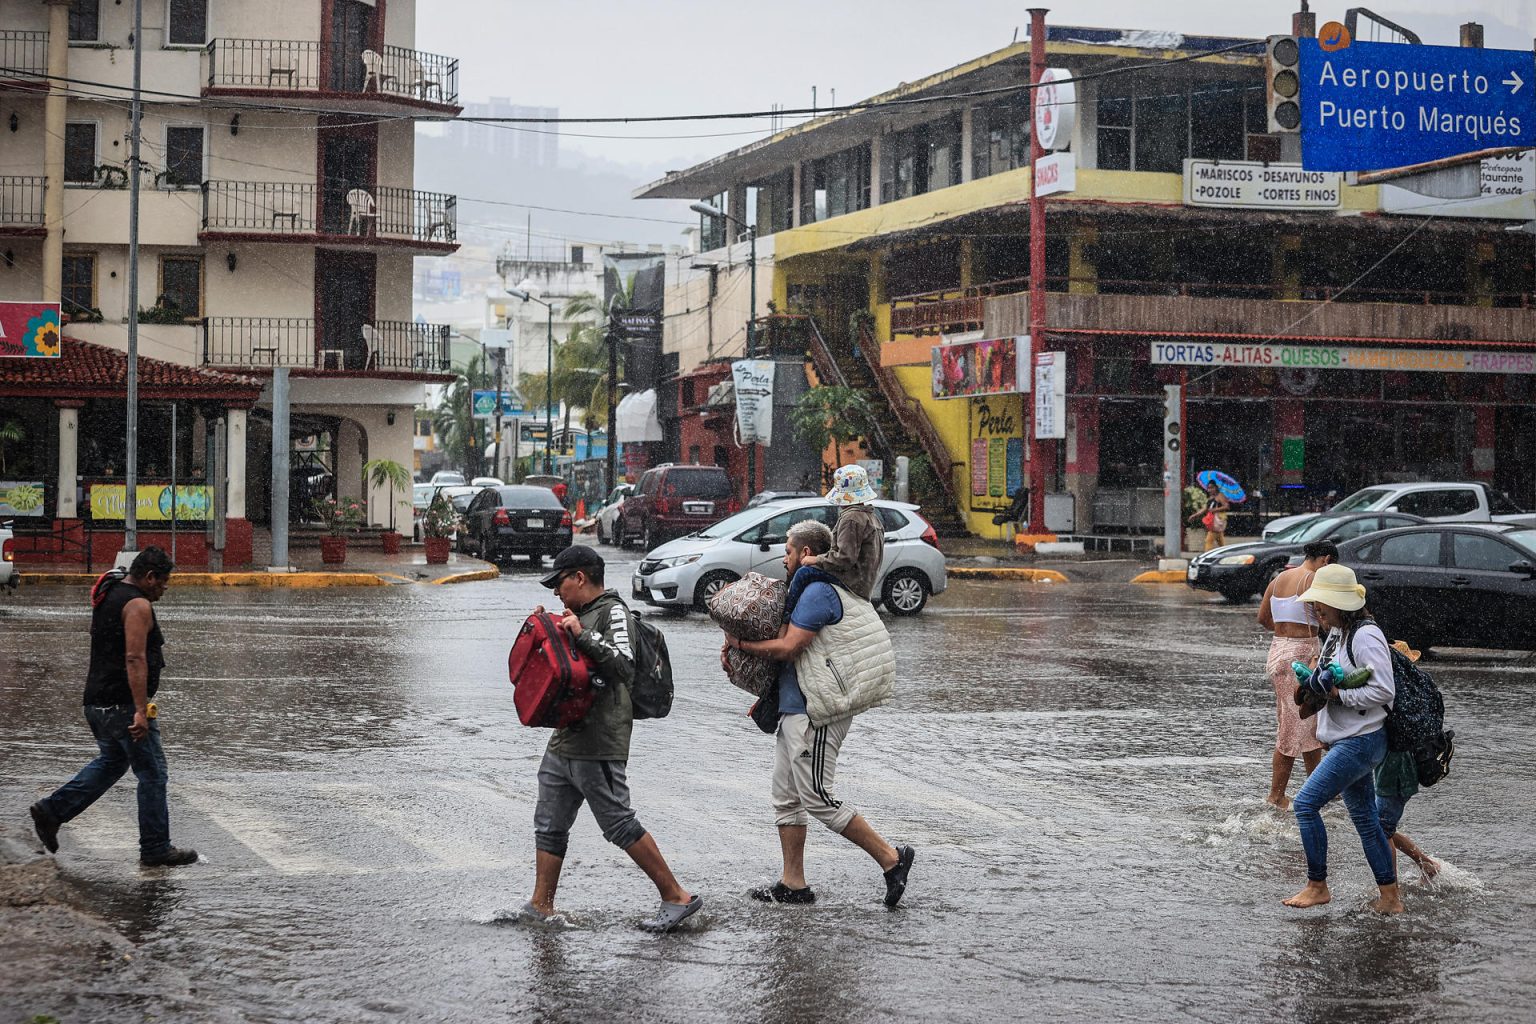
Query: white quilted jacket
(849, 667)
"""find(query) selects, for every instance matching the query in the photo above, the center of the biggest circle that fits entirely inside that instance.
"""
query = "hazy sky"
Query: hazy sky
(626, 57)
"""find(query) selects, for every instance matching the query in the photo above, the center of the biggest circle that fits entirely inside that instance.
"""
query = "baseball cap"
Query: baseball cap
(577, 556)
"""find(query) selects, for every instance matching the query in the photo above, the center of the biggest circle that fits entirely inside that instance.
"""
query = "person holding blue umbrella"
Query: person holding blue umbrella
(1220, 491)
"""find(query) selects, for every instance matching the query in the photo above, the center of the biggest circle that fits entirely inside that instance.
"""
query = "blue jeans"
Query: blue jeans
(119, 752)
(1390, 810)
(1347, 768)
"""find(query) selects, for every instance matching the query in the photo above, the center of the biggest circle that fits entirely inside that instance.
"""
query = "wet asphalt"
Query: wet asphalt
(1080, 768)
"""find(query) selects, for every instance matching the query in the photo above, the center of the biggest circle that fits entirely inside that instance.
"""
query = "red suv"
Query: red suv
(670, 501)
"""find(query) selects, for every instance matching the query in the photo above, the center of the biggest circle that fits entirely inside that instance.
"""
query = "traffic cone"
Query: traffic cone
(581, 508)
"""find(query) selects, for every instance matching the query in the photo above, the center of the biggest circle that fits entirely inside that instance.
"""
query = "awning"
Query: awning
(636, 418)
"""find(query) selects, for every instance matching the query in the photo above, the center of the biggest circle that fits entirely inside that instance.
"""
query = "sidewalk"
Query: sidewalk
(363, 568)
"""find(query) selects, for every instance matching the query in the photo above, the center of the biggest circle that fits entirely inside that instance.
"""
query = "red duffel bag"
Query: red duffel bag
(551, 680)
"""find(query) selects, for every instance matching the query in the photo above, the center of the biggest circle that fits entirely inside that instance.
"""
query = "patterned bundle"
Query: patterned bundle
(752, 608)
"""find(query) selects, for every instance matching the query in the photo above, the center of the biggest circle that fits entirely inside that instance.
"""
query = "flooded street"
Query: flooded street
(1080, 768)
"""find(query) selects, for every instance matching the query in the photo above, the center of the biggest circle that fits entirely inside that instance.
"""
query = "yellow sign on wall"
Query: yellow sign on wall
(194, 502)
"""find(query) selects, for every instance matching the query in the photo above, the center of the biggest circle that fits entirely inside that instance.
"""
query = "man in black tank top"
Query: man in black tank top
(126, 659)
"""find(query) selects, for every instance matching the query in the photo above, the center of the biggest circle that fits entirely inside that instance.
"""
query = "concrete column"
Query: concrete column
(67, 506)
(967, 262)
(875, 147)
(1288, 267)
(55, 112)
(967, 142)
(1082, 469)
(797, 187)
(349, 460)
(234, 460)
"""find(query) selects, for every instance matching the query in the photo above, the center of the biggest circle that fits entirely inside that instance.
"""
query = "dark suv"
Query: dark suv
(670, 501)
(528, 521)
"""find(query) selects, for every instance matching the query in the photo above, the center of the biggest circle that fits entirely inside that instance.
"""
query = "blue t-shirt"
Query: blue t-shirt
(818, 606)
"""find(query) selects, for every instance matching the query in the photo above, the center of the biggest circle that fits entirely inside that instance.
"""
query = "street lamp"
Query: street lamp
(524, 291)
(705, 210)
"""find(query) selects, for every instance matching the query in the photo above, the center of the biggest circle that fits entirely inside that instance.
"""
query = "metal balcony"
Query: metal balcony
(21, 205)
(296, 66)
(385, 346)
(305, 212)
(23, 59)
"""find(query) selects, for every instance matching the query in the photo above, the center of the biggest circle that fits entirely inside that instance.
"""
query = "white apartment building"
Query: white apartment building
(278, 220)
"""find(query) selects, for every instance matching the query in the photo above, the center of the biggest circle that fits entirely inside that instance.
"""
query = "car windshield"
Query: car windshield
(736, 523)
(1293, 532)
(1500, 505)
(1313, 529)
(1360, 500)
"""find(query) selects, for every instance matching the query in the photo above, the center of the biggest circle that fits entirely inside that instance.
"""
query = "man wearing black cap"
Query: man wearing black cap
(586, 762)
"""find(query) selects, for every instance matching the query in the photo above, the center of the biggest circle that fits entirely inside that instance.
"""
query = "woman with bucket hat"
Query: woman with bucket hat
(858, 539)
(1352, 726)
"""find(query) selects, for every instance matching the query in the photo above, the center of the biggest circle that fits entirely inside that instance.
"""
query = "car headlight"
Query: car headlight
(676, 560)
(1237, 560)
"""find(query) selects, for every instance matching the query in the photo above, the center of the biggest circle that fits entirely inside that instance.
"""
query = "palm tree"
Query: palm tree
(580, 378)
(454, 419)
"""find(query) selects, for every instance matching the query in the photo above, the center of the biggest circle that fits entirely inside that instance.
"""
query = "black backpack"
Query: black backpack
(650, 694)
(1416, 718)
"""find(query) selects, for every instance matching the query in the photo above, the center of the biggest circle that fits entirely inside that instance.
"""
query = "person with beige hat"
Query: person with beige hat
(1352, 726)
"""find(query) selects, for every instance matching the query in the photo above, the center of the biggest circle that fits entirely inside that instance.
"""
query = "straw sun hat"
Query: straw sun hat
(1335, 586)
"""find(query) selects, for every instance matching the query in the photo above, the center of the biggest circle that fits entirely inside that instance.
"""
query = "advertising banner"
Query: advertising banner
(1331, 357)
(997, 451)
(1251, 185)
(194, 502)
(1050, 395)
(970, 369)
(754, 400)
(633, 287)
(21, 498)
(29, 330)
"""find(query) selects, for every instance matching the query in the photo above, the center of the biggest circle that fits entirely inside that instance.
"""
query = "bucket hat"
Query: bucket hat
(850, 486)
(1335, 586)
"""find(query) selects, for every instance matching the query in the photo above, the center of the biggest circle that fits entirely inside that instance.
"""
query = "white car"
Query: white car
(1437, 502)
(686, 572)
(486, 481)
(7, 558)
(447, 478)
(608, 514)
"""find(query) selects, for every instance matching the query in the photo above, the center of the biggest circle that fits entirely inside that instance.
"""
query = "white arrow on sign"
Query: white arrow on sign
(1514, 80)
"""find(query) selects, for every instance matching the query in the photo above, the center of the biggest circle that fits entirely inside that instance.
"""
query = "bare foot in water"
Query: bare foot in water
(1314, 895)
(1279, 803)
(1387, 903)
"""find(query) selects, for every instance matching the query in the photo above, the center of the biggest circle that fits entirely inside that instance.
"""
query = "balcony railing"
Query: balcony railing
(341, 211)
(23, 56)
(21, 202)
(296, 65)
(383, 346)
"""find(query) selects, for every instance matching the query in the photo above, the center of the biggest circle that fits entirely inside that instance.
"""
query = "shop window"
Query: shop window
(184, 155)
(1000, 137)
(80, 152)
(188, 23)
(84, 21)
(78, 291)
(181, 284)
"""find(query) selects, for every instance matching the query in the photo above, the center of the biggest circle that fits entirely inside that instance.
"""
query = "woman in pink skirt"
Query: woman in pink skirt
(1296, 639)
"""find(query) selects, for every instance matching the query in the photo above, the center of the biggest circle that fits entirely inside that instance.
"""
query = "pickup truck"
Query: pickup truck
(1440, 502)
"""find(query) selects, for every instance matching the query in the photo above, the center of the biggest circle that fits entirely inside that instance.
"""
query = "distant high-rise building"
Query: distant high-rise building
(530, 145)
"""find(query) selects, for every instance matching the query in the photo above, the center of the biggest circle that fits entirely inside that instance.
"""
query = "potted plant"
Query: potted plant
(341, 516)
(438, 525)
(386, 473)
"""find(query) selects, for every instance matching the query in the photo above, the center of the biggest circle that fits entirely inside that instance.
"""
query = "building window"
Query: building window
(921, 159)
(78, 293)
(578, 254)
(181, 284)
(1147, 125)
(188, 23)
(943, 138)
(1000, 137)
(80, 152)
(184, 155)
(774, 202)
(84, 21)
(712, 230)
(835, 185)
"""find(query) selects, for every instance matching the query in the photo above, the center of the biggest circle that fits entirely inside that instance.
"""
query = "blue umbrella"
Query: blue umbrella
(1230, 488)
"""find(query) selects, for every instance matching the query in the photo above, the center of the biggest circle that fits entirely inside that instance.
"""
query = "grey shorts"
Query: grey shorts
(564, 784)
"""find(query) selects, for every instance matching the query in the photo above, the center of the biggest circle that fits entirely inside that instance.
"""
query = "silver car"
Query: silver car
(686, 572)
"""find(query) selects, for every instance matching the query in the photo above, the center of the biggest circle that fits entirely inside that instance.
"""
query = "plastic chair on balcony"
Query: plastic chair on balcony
(375, 71)
(439, 219)
(362, 211)
(371, 343)
(286, 204)
(282, 61)
(419, 78)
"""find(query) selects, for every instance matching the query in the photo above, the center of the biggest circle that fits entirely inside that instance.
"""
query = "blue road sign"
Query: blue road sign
(1373, 105)
(483, 405)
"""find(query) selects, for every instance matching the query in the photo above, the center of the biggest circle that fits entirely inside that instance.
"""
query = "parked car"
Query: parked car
(670, 501)
(447, 478)
(1438, 502)
(519, 520)
(764, 497)
(1450, 585)
(459, 497)
(1240, 571)
(608, 513)
(486, 481)
(7, 558)
(684, 573)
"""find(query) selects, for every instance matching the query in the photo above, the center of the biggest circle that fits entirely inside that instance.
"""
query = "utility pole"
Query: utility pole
(131, 467)
(1035, 446)
(501, 456)
(613, 391)
(752, 345)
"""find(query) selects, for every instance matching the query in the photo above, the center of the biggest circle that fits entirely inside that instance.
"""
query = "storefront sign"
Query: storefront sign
(1248, 184)
(194, 502)
(754, 400)
(21, 498)
(970, 369)
(997, 451)
(29, 330)
(1055, 108)
(1050, 395)
(1056, 172)
(1329, 357)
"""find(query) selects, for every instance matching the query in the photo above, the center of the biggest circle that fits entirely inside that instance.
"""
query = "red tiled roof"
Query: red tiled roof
(88, 370)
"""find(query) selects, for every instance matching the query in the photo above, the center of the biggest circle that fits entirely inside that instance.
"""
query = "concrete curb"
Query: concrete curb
(1160, 576)
(1026, 575)
(292, 580)
(468, 577)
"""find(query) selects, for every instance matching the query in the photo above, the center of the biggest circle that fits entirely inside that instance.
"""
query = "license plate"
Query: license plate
(639, 587)
(699, 508)
(1194, 572)
(535, 524)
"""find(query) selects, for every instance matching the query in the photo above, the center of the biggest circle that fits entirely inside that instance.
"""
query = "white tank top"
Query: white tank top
(1290, 609)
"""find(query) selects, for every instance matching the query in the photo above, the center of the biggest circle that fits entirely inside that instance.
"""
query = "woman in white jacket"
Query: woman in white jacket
(1352, 726)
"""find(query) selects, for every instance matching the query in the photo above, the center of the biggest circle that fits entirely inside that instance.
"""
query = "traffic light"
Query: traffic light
(1282, 83)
